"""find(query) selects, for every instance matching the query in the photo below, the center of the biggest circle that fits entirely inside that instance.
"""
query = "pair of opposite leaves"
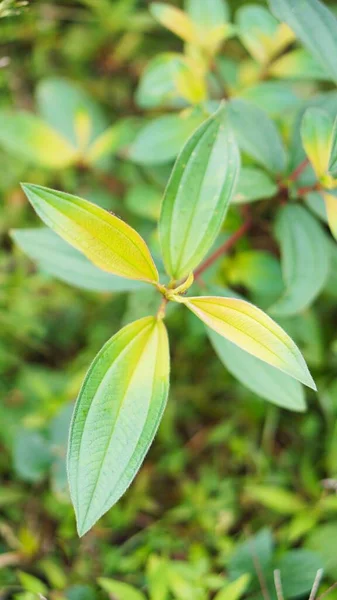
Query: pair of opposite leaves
(124, 393)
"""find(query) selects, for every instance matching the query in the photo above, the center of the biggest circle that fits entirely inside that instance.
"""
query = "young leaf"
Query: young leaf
(116, 417)
(198, 195)
(257, 135)
(175, 20)
(252, 330)
(56, 257)
(260, 32)
(162, 139)
(106, 240)
(316, 134)
(31, 140)
(259, 377)
(305, 259)
(315, 25)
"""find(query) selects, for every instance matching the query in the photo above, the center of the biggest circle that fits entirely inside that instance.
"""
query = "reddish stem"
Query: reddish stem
(305, 190)
(225, 247)
(299, 170)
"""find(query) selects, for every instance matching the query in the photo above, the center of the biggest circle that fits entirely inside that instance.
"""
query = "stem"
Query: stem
(228, 244)
(278, 585)
(305, 190)
(299, 170)
(162, 309)
(316, 584)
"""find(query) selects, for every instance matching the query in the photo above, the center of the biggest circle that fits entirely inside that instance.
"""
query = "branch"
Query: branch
(310, 188)
(228, 244)
(299, 170)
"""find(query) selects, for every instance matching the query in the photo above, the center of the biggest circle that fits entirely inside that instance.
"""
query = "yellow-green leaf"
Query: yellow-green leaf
(275, 498)
(333, 151)
(261, 34)
(30, 139)
(316, 134)
(113, 139)
(116, 417)
(211, 20)
(106, 240)
(175, 20)
(235, 589)
(252, 330)
(298, 64)
(120, 590)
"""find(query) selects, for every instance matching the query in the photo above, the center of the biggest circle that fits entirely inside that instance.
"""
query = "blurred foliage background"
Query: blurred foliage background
(233, 487)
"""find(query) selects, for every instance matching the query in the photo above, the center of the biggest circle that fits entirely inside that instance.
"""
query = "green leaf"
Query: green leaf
(252, 330)
(316, 132)
(260, 32)
(298, 572)
(198, 195)
(275, 498)
(30, 139)
(274, 97)
(32, 455)
(259, 377)
(116, 417)
(322, 540)
(260, 548)
(253, 184)
(207, 16)
(106, 240)
(56, 257)
(305, 259)
(257, 135)
(120, 590)
(259, 271)
(144, 200)
(31, 583)
(330, 200)
(333, 151)
(161, 140)
(157, 571)
(315, 25)
(81, 592)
